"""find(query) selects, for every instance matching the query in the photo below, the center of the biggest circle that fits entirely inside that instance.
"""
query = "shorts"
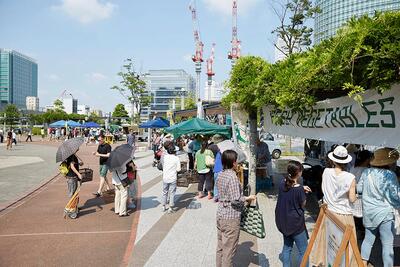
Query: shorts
(103, 170)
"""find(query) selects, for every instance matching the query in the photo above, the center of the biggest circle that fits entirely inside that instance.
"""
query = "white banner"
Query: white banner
(342, 120)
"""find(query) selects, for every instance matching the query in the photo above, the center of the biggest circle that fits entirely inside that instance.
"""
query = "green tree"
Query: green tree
(292, 29)
(133, 88)
(12, 114)
(247, 83)
(120, 111)
(58, 105)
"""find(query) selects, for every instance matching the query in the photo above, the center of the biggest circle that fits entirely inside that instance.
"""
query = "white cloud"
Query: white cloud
(224, 7)
(86, 11)
(96, 77)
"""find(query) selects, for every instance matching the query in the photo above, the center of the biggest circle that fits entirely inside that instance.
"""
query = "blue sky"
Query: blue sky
(80, 45)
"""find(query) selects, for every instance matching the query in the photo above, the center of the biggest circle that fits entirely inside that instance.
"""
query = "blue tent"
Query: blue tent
(73, 124)
(90, 124)
(58, 124)
(156, 123)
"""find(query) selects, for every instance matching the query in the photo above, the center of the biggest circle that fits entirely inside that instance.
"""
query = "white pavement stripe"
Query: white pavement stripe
(150, 211)
(67, 233)
(192, 241)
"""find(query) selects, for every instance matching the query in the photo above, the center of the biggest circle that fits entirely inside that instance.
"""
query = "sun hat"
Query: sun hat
(217, 138)
(384, 156)
(340, 155)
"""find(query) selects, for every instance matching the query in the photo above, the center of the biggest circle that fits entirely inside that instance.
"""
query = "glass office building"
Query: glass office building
(164, 86)
(18, 78)
(335, 13)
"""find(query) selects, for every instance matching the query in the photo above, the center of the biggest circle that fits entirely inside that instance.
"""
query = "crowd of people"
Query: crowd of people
(359, 187)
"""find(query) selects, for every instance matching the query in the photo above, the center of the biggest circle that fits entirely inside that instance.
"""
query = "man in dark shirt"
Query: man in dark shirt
(103, 151)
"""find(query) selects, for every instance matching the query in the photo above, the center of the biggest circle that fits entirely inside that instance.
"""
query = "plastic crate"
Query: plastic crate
(87, 174)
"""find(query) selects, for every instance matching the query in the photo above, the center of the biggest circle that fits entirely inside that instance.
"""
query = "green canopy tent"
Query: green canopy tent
(198, 126)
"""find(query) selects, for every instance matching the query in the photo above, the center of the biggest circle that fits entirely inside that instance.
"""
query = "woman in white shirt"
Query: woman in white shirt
(339, 189)
(171, 167)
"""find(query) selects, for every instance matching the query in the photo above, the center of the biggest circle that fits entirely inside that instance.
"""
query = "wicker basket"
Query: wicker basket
(87, 174)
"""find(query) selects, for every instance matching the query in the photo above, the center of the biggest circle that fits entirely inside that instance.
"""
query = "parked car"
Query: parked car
(273, 145)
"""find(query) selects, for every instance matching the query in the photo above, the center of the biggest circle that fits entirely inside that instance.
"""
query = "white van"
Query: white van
(274, 146)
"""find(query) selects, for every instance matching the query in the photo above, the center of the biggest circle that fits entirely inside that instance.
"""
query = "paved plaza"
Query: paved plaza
(34, 228)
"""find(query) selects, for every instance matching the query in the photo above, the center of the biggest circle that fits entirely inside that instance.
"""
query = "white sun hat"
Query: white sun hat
(340, 155)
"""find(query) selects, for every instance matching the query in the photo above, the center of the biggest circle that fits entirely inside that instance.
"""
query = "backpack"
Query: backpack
(63, 168)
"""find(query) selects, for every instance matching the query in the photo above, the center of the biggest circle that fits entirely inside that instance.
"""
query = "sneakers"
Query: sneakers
(171, 210)
(131, 206)
(97, 194)
(163, 209)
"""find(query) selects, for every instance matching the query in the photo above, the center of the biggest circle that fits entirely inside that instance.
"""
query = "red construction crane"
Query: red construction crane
(234, 54)
(210, 62)
(198, 56)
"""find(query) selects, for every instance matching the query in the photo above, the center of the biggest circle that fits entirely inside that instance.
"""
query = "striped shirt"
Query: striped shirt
(229, 189)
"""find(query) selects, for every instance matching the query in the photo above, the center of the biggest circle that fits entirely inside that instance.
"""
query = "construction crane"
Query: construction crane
(63, 94)
(198, 56)
(210, 72)
(234, 54)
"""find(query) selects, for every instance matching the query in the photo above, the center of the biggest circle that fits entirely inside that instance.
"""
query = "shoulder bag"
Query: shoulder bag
(125, 182)
(252, 222)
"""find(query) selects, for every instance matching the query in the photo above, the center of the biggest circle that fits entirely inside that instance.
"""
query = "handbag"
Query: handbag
(125, 182)
(252, 222)
(210, 161)
(357, 207)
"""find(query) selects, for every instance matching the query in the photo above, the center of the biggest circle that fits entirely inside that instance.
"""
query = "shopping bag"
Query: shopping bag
(252, 221)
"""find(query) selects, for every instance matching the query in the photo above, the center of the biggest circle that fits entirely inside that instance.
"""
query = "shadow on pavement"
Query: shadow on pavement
(149, 203)
(245, 256)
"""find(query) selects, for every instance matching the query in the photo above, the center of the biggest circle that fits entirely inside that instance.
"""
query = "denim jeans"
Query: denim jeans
(301, 244)
(169, 190)
(215, 185)
(386, 231)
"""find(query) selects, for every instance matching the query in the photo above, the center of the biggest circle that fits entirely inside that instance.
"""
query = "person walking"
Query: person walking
(289, 213)
(228, 218)
(380, 194)
(131, 140)
(42, 133)
(9, 139)
(121, 192)
(204, 171)
(14, 137)
(264, 159)
(29, 135)
(103, 152)
(171, 167)
(339, 189)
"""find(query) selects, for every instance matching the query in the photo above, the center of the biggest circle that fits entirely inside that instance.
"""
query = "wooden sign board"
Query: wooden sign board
(339, 238)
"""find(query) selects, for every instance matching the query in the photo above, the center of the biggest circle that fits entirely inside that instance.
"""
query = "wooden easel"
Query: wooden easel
(348, 238)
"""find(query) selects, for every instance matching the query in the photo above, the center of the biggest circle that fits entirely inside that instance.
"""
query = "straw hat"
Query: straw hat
(340, 155)
(217, 138)
(384, 156)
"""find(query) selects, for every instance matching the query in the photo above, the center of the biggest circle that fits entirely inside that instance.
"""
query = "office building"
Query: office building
(97, 112)
(70, 105)
(213, 92)
(164, 86)
(335, 13)
(18, 78)
(83, 110)
(32, 103)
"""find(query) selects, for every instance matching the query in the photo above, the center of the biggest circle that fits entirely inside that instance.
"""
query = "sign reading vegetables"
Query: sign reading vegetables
(374, 121)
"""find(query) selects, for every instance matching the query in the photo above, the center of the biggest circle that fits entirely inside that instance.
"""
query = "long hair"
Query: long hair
(293, 169)
(203, 146)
